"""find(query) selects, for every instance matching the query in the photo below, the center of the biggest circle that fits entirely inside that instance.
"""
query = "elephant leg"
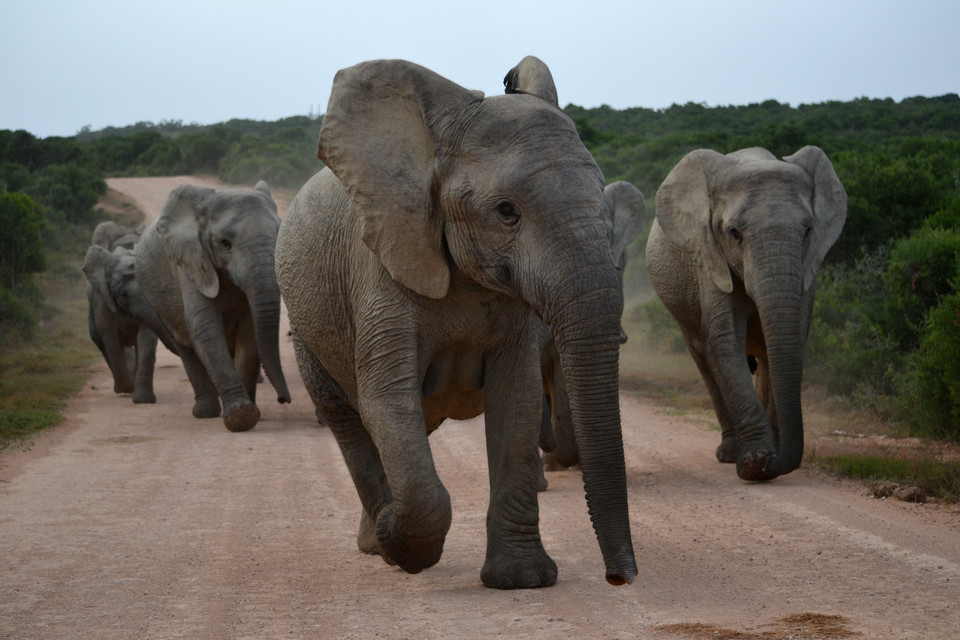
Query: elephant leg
(114, 351)
(764, 390)
(754, 439)
(210, 343)
(729, 447)
(146, 360)
(246, 358)
(206, 398)
(515, 556)
(359, 452)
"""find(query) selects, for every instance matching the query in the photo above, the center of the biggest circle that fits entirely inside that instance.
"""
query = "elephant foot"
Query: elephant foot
(542, 483)
(397, 548)
(533, 570)
(206, 408)
(728, 451)
(550, 463)
(242, 416)
(144, 397)
(753, 466)
(122, 387)
(367, 538)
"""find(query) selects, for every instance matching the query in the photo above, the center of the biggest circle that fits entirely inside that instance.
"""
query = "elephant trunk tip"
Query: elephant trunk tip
(283, 398)
(623, 570)
(620, 578)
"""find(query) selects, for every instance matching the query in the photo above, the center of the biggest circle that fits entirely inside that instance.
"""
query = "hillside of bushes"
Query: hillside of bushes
(887, 325)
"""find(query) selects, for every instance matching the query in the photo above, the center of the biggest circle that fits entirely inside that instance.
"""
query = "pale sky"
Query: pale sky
(66, 64)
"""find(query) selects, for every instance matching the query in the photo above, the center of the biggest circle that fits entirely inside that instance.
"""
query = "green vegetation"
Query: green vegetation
(284, 153)
(935, 478)
(48, 190)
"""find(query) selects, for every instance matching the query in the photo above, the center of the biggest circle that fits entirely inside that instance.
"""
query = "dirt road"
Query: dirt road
(139, 521)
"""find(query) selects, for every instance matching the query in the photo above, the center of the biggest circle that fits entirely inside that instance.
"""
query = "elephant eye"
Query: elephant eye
(736, 235)
(226, 243)
(508, 213)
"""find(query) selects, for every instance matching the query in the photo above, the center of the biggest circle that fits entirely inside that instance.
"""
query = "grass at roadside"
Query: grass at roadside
(841, 440)
(37, 378)
(938, 478)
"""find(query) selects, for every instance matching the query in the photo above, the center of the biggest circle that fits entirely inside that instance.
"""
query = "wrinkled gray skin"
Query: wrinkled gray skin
(121, 318)
(206, 264)
(734, 254)
(625, 215)
(414, 269)
(127, 343)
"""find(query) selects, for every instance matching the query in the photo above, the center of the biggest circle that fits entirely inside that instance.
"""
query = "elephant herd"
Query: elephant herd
(460, 254)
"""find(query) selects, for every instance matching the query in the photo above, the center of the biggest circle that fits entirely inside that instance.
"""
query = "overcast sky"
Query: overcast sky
(66, 64)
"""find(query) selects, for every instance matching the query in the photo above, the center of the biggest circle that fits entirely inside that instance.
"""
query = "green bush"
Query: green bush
(848, 352)
(661, 329)
(921, 270)
(929, 390)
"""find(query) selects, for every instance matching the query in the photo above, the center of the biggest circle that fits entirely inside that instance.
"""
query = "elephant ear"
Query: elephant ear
(684, 213)
(627, 210)
(179, 227)
(379, 137)
(533, 77)
(95, 265)
(829, 207)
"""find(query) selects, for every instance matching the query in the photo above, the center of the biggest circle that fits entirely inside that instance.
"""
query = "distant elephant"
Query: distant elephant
(625, 215)
(111, 235)
(413, 269)
(734, 254)
(121, 318)
(206, 264)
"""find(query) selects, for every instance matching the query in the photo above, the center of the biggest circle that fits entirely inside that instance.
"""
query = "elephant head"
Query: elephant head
(111, 235)
(112, 275)
(459, 192)
(758, 229)
(226, 239)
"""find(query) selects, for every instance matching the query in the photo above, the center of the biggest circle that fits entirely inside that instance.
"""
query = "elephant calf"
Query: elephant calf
(734, 254)
(206, 264)
(121, 322)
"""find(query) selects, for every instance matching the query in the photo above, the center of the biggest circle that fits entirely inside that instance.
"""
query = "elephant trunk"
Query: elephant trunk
(264, 299)
(584, 318)
(782, 316)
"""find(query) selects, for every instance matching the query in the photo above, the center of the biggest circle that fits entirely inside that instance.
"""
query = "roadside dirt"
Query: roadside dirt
(139, 521)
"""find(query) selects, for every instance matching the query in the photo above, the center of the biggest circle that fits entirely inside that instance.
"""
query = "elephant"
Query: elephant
(734, 254)
(126, 343)
(625, 215)
(206, 264)
(121, 318)
(111, 235)
(416, 268)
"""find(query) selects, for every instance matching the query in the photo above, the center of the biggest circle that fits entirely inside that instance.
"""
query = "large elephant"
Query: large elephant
(416, 269)
(734, 254)
(121, 318)
(625, 215)
(127, 343)
(206, 264)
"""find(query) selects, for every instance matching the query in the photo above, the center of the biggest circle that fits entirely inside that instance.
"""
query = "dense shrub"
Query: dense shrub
(920, 271)
(929, 389)
(848, 352)
(21, 256)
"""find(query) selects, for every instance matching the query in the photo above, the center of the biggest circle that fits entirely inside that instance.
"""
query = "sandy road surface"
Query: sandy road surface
(139, 521)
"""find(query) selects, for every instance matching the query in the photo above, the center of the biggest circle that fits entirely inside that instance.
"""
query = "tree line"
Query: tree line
(887, 324)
